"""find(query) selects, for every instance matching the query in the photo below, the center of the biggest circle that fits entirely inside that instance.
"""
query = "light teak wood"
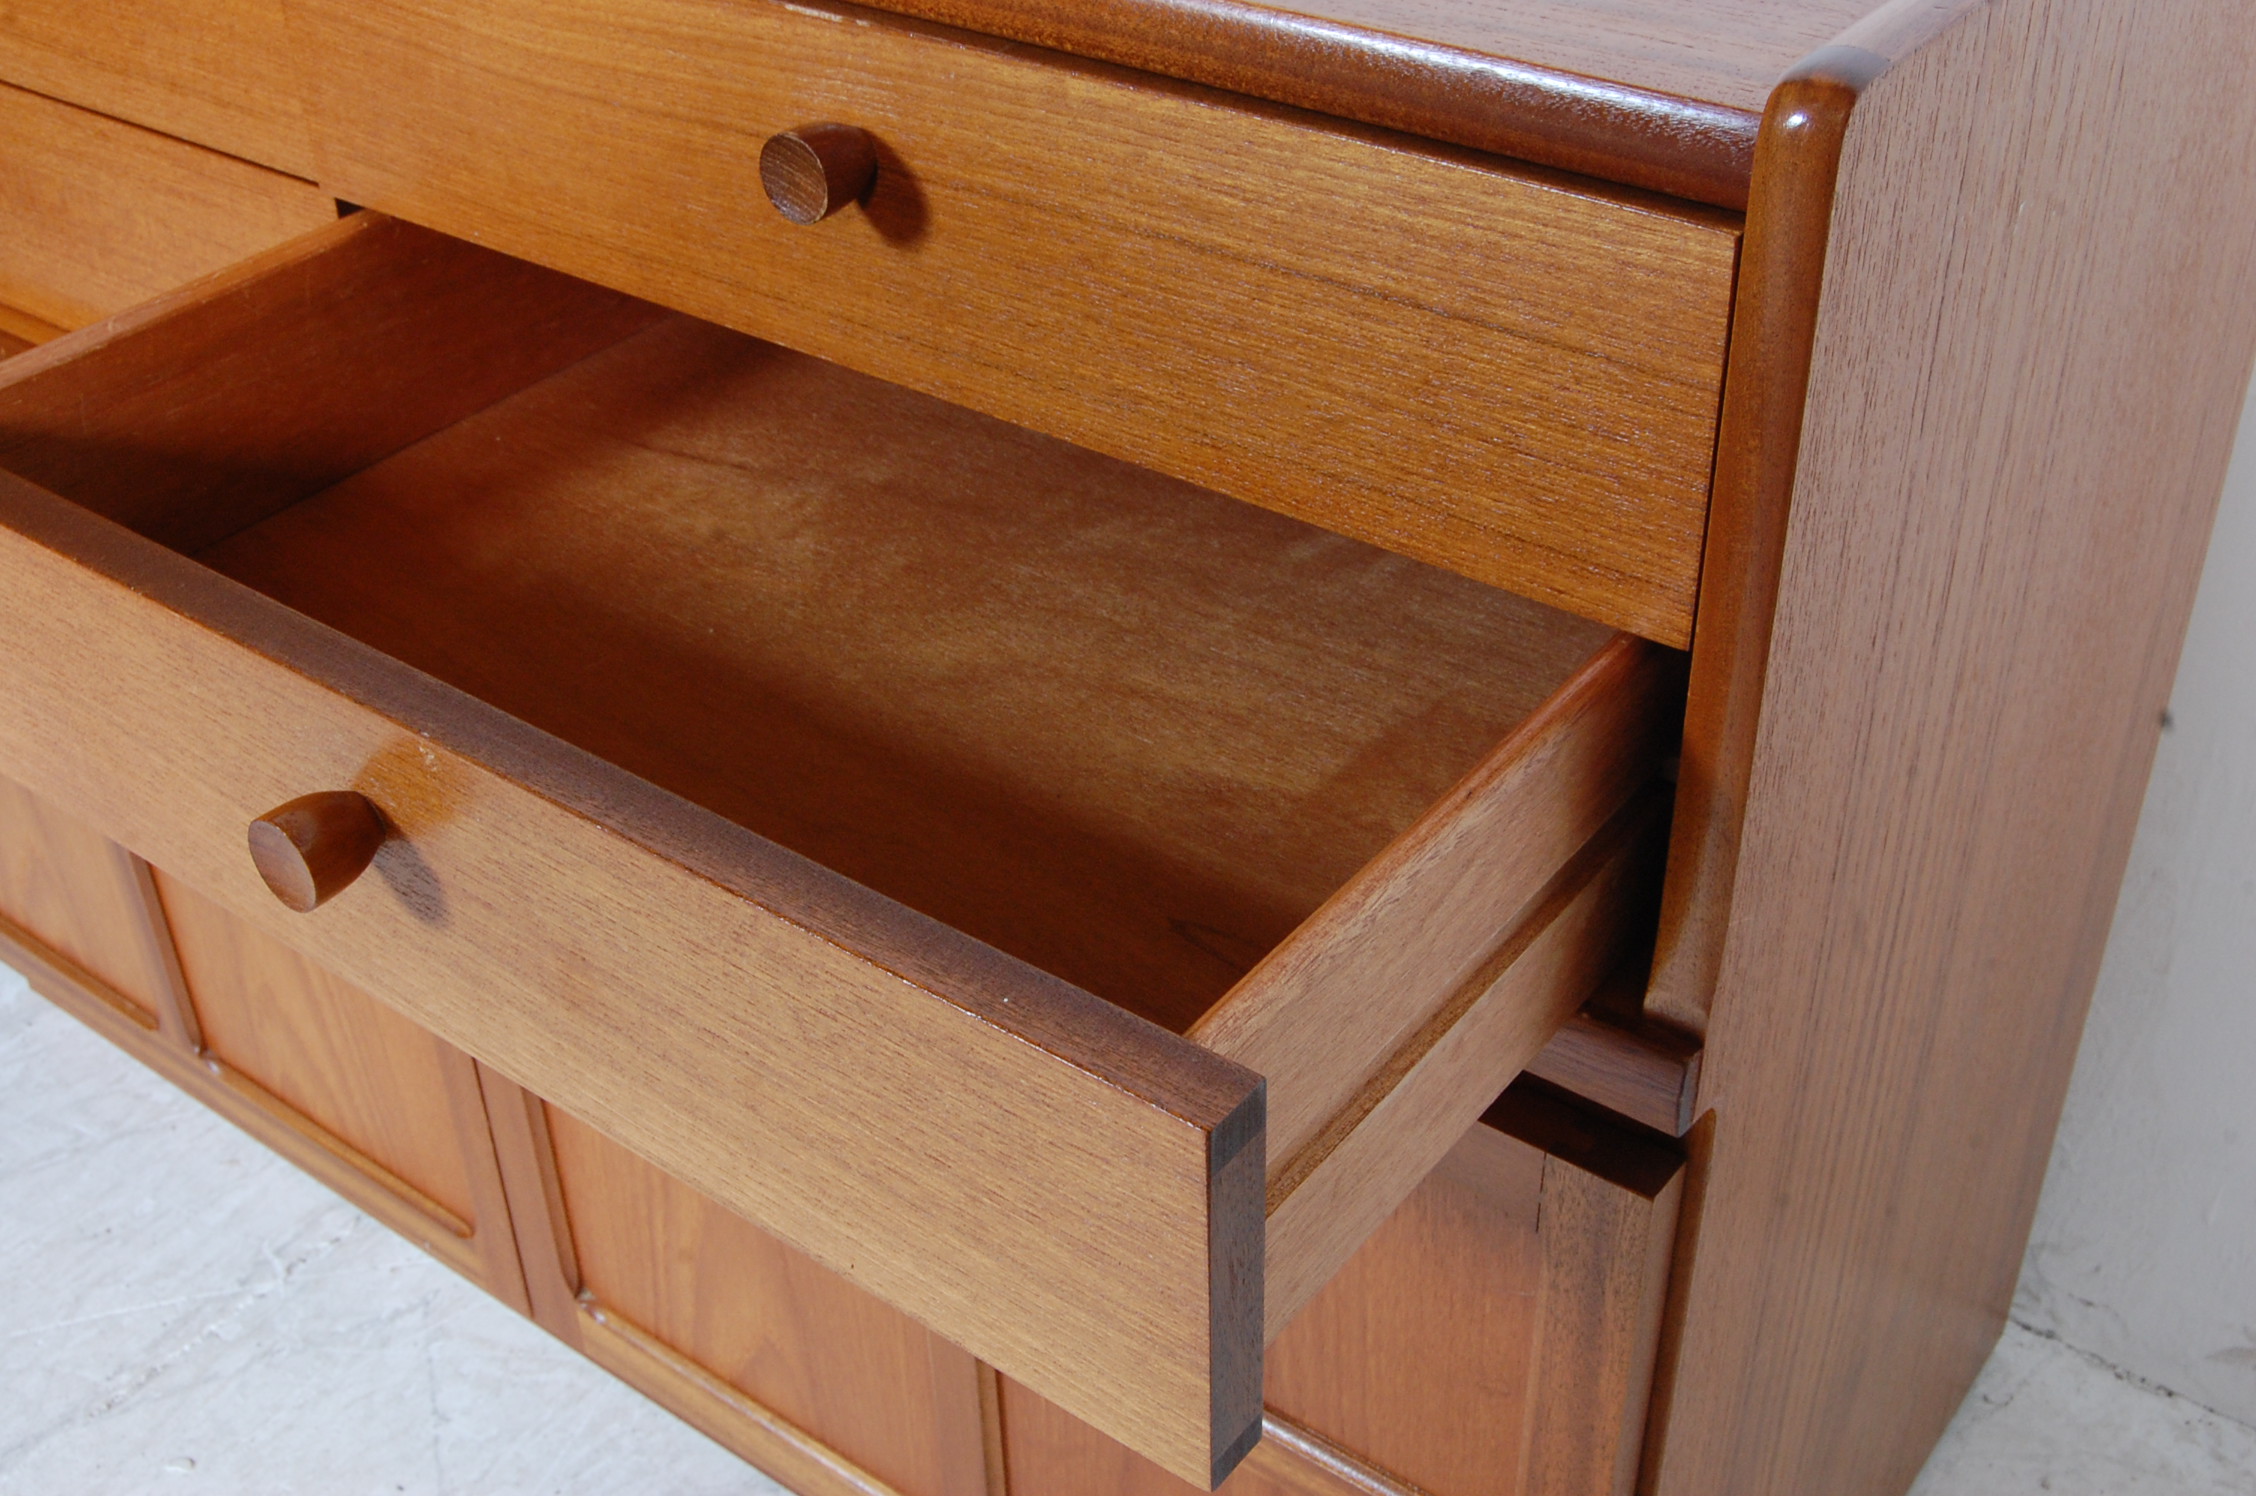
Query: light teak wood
(102, 215)
(1505, 374)
(814, 1381)
(231, 412)
(222, 73)
(2021, 228)
(1099, 1181)
(80, 896)
(381, 1112)
(1494, 1338)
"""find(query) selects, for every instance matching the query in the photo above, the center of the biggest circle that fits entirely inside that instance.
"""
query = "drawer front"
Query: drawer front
(1511, 376)
(101, 214)
(217, 72)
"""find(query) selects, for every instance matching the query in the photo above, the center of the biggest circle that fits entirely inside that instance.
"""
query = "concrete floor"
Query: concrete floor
(287, 1343)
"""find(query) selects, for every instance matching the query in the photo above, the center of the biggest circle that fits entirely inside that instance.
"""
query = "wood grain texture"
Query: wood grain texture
(1228, 714)
(485, 1256)
(1611, 1202)
(102, 215)
(311, 849)
(1284, 762)
(1419, 920)
(218, 72)
(1648, 1072)
(1028, 1166)
(1658, 95)
(217, 404)
(723, 1409)
(343, 1059)
(817, 1353)
(1491, 1339)
(1323, 365)
(805, 1464)
(2031, 342)
(1417, 1105)
(78, 894)
(526, 1156)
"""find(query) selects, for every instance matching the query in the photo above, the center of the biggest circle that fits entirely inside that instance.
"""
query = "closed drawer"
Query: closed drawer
(217, 72)
(1511, 375)
(102, 214)
(1074, 906)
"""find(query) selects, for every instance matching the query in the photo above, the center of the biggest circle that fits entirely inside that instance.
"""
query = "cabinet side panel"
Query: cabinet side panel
(2030, 348)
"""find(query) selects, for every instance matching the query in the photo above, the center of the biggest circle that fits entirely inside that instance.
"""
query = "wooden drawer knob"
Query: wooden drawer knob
(309, 849)
(815, 170)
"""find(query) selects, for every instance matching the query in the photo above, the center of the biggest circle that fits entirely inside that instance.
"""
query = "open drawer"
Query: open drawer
(1074, 906)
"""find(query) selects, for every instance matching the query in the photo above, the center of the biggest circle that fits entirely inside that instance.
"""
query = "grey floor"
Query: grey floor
(180, 1310)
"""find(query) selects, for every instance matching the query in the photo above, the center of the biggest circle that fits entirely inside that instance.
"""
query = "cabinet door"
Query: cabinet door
(786, 1363)
(1494, 1338)
(76, 908)
(384, 1111)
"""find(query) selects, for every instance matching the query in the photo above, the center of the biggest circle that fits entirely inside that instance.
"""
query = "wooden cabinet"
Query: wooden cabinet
(994, 813)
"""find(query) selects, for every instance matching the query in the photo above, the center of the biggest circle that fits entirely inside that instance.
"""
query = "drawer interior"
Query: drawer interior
(1122, 728)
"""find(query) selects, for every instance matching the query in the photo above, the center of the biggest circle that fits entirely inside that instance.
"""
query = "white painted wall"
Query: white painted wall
(2145, 1244)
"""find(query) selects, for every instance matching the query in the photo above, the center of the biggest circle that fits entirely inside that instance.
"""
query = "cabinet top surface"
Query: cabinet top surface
(1665, 94)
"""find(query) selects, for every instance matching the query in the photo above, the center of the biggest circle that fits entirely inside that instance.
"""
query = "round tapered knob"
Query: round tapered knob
(813, 171)
(309, 849)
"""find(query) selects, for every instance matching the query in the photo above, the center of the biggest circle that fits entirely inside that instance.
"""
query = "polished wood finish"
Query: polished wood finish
(1317, 670)
(376, 1109)
(895, 1407)
(724, 1408)
(382, 1093)
(1124, 730)
(218, 404)
(72, 892)
(1316, 363)
(102, 215)
(219, 72)
(2015, 428)
(311, 849)
(813, 171)
(1495, 1337)
(1340, 1188)
(1656, 94)
(1438, 904)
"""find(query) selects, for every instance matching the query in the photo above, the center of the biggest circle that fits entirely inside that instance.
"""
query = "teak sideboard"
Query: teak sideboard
(1112, 746)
